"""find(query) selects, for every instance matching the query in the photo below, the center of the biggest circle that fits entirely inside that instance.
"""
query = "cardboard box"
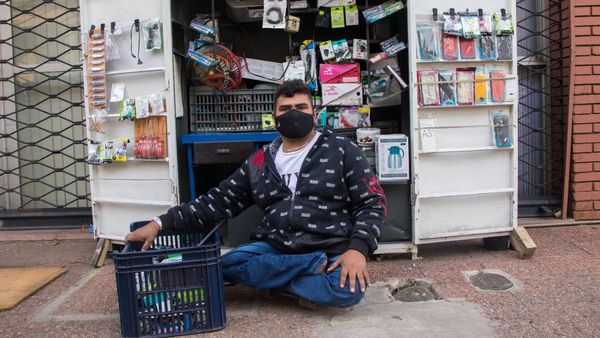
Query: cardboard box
(339, 73)
(342, 94)
(392, 155)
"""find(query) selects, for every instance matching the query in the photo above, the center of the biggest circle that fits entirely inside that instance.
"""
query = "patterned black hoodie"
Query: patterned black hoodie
(338, 204)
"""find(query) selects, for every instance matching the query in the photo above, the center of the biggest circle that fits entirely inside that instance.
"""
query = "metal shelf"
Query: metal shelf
(468, 193)
(473, 106)
(464, 150)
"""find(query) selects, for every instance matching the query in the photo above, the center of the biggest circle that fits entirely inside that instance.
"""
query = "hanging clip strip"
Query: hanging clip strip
(136, 24)
(503, 13)
(102, 28)
(452, 13)
(92, 28)
(480, 14)
(112, 27)
(435, 14)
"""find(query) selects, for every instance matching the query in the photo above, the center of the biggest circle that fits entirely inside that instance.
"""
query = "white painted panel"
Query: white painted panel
(151, 190)
(456, 216)
(464, 172)
(130, 169)
(115, 218)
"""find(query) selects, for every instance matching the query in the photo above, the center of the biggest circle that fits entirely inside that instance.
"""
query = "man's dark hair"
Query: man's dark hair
(291, 88)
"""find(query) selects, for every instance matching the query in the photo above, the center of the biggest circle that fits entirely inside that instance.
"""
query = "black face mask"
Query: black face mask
(294, 124)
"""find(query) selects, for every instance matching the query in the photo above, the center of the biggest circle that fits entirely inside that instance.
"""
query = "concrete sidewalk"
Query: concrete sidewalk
(556, 293)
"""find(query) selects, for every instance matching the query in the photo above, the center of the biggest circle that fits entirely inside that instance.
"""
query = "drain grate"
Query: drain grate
(490, 281)
(415, 291)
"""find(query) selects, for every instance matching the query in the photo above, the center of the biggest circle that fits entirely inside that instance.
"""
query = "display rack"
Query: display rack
(138, 189)
(464, 172)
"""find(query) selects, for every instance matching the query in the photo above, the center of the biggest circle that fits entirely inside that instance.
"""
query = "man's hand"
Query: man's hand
(147, 234)
(354, 265)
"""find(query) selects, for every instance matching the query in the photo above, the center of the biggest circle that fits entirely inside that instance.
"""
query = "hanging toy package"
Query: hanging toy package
(470, 25)
(127, 110)
(447, 88)
(501, 134)
(487, 47)
(450, 47)
(504, 45)
(97, 119)
(481, 87)
(497, 86)
(120, 149)
(452, 25)
(467, 49)
(94, 153)
(428, 36)
(152, 34)
(464, 86)
(429, 94)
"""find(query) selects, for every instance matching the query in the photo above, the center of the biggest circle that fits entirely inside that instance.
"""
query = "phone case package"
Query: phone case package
(504, 47)
(452, 25)
(497, 86)
(485, 25)
(467, 49)
(481, 87)
(429, 94)
(464, 86)
(470, 25)
(450, 47)
(447, 88)
(487, 47)
(428, 36)
(501, 134)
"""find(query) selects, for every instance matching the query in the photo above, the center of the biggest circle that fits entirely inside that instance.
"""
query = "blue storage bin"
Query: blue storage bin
(174, 288)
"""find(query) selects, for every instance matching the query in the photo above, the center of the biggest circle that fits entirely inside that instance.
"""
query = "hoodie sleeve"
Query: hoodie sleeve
(230, 198)
(368, 202)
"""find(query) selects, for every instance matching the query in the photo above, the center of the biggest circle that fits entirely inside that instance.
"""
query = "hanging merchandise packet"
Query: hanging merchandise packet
(447, 88)
(337, 17)
(428, 36)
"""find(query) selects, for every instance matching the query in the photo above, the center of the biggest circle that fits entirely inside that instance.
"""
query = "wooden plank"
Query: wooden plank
(19, 283)
(522, 243)
(101, 252)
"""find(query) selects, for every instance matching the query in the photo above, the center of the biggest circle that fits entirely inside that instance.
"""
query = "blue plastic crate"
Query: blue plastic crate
(174, 288)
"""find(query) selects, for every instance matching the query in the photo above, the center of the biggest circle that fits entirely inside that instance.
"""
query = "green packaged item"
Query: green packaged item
(127, 111)
(351, 15)
(341, 51)
(337, 17)
(503, 23)
(391, 7)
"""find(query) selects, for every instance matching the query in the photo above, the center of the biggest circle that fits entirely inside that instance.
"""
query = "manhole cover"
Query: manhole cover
(491, 281)
(415, 291)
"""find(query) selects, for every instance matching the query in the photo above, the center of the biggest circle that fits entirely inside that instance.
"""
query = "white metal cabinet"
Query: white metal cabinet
(466, 187)
(136, 189)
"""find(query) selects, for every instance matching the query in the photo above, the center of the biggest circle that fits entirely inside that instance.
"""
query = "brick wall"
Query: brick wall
(585, 65)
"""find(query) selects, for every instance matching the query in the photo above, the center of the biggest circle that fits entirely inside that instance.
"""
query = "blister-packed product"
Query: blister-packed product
(501, 129)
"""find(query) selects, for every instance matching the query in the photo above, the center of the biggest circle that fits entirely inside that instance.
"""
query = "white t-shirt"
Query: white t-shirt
(288, 164)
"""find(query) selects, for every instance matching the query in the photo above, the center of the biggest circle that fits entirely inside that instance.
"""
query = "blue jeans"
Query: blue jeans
(261, 266)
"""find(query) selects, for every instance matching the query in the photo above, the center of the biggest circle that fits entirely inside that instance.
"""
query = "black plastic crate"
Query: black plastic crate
(174, 288)
(229, 111)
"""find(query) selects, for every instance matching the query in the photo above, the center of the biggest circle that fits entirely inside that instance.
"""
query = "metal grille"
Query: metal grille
(542, 106)
(42, 127)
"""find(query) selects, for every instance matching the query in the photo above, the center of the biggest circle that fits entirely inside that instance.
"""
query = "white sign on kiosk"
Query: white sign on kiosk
(392, 154)
(342, 94)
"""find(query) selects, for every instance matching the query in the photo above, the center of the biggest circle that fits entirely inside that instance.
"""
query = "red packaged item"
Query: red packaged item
(449, 47)
(467, 49)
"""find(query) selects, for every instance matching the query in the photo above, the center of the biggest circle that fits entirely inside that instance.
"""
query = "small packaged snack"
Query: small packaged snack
(428, 37)
(481, 87)
(501, 133)
(429, 94)
(127, 110)
(487, 47)
(467, 49)
(464, 86)
(447, 88)
(497, 86)
(452, 24)
(470, 25)
(504, 46)
(341, 51)
(450, 47)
